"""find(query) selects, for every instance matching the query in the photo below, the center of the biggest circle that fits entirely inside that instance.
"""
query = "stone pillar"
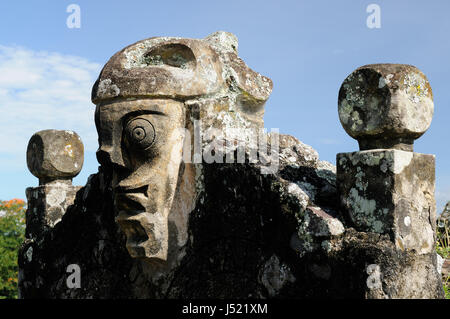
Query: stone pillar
(386, 188)
(55, 157)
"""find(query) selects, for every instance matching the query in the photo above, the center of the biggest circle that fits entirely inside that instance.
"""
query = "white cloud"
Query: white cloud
(43, 90)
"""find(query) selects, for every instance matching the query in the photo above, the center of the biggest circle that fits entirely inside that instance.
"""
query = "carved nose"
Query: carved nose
(107, 156)
(104, 157)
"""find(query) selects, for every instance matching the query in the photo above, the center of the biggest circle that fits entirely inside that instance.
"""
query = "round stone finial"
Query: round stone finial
(55, 155)
(386, 106)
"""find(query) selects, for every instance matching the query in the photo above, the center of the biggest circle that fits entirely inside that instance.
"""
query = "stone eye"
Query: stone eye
(140, 133)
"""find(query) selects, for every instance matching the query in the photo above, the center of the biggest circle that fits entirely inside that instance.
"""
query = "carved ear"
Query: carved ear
(174, 55)
(224, 41)
(254, 88)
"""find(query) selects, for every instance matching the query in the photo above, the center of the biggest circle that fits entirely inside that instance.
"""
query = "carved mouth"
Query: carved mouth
(131, 199)
(136, 235)
(144, 234)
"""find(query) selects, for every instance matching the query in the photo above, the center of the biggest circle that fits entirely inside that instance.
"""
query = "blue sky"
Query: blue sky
(306, 47)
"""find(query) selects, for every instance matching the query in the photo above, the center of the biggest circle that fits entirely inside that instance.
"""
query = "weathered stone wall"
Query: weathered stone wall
(272, 222)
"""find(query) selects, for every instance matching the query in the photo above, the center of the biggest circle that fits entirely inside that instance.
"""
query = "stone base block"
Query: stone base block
(391, 192)
(46, 206)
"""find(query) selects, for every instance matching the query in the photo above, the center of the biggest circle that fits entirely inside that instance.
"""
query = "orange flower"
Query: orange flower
(16, 201)
(12, 202)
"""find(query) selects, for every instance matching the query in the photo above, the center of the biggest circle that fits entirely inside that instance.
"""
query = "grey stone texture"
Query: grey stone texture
(148, 97)
(55, 155)
(386, 188)
(161, 220)
(47, 205)
(386, 105)
(390, 192)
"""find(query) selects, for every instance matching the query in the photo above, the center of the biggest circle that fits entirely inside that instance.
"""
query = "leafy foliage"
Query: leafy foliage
(12, 234)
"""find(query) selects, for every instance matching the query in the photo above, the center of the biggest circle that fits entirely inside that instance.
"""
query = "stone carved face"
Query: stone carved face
(142, 141)
(141, 125)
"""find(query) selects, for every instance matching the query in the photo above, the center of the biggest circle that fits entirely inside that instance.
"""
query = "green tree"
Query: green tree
(12, 234)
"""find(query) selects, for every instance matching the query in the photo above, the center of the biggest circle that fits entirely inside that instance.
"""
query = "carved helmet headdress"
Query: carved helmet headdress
(184, 69)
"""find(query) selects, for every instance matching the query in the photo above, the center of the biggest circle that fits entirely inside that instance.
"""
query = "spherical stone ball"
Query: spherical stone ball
(55, 154)
(386, 105)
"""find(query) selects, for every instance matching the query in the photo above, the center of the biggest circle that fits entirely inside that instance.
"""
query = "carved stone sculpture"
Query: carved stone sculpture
(55, 157)
(386, 106)
(146, 95)
(193, 199)
(386, 188)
